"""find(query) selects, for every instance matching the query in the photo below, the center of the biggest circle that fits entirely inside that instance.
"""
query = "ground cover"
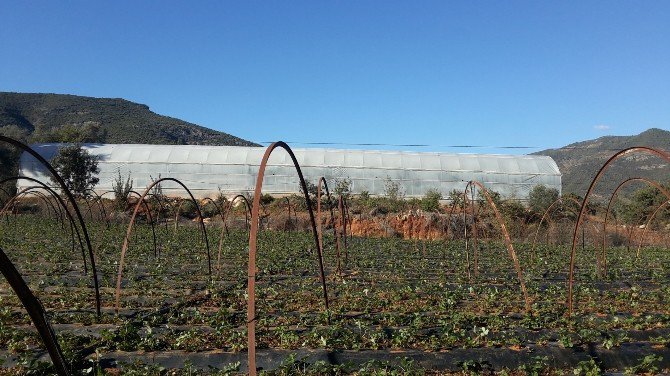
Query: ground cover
(397, 307)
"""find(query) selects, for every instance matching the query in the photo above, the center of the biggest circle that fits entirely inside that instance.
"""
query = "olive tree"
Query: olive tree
(77, 167)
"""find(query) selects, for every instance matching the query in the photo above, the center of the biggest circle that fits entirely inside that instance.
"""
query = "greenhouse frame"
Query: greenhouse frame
(208, 170)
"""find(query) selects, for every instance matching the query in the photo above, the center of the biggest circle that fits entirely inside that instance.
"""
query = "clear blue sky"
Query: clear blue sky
(495, 73)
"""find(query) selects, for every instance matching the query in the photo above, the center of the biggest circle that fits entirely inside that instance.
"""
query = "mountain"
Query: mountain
(579, 162)
(61, 117)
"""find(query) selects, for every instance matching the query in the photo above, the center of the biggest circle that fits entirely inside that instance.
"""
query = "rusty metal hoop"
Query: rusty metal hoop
(72, 224)
(332, 219)
(582, 211)
(70, 197)
(507, 238)
(545, 215)
(650, 183)
(126, 240)
(35, 311)
(255, 221)
(100, 204)
(644, 230)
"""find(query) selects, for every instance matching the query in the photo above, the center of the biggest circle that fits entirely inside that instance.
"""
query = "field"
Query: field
(397, 306)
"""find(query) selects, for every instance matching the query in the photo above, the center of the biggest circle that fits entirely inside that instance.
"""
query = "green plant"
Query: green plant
(648, 364)
(540, 197)
(267, 199)
(121, 190)
(78, 168)
(343, 188)
(587, 368)
(393, 190)
(431, 200)
(536, 367)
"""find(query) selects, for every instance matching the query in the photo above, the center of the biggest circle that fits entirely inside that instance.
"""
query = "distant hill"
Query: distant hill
(580, 162)
(33, 118)
(60, 117)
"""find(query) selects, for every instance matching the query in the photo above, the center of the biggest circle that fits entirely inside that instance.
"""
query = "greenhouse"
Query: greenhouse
(207, 170)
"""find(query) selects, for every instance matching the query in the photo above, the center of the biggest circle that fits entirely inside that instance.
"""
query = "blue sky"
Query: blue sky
(491, 73)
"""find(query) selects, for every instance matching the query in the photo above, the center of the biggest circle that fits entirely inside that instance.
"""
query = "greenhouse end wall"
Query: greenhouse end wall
(208, 170)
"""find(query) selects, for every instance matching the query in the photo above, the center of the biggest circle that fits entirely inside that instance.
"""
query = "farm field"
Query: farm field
(397, 306)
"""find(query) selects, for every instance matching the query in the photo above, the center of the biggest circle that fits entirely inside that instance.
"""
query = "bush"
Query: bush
(121, 191)
(456, 198)
(187, 209)
(343, 188)
(208, 210)
(267, 199)
(393, 190)
(541, 197)
(431, 200)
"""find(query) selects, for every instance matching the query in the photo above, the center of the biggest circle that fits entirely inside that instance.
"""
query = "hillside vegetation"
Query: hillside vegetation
(57, 117)
(34, 118)
(579, 162)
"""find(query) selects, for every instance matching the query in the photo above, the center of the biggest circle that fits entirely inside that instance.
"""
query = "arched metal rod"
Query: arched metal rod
(70, 198)
(100, 203)
(473, 201)
(644, 230)
(451, 213)
(57, 210)
(651, 183)
(322, 181)
(33, 190)
(88, 207)
(582, 211)
(546, 215)
(223, 228)
(103, 194)
(343, 223)
(465, 231)
(40, 184)
(149, 216)
(247, 208)
(508, 240)
(176, 213)
(72, 223)
(126, 240)
(159, 210)
(7, 195)
(288, 210)
(251, 306)
(35, 311)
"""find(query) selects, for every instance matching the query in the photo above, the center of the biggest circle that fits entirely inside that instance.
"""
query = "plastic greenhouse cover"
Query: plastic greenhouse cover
(233, 169)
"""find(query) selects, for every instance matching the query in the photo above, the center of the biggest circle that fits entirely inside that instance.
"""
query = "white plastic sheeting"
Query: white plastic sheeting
(206, 170)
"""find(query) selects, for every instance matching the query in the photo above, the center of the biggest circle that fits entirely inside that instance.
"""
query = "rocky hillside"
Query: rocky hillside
(580, 162)
(60, 117)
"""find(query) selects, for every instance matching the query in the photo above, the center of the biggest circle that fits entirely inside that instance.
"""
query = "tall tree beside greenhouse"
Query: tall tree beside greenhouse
(78, 168)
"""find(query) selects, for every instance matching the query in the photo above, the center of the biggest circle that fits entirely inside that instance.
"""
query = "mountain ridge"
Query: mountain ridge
(580, 161)
(39, 117)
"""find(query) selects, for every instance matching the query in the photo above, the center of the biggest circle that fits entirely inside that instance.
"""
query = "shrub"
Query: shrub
(343, 188)
(187, 209)
(431, 200)
(121, 191)
(540, 197)
(267, 199)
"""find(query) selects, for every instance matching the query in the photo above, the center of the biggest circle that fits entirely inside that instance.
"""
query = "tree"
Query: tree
(540, 197)
(78, 168)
